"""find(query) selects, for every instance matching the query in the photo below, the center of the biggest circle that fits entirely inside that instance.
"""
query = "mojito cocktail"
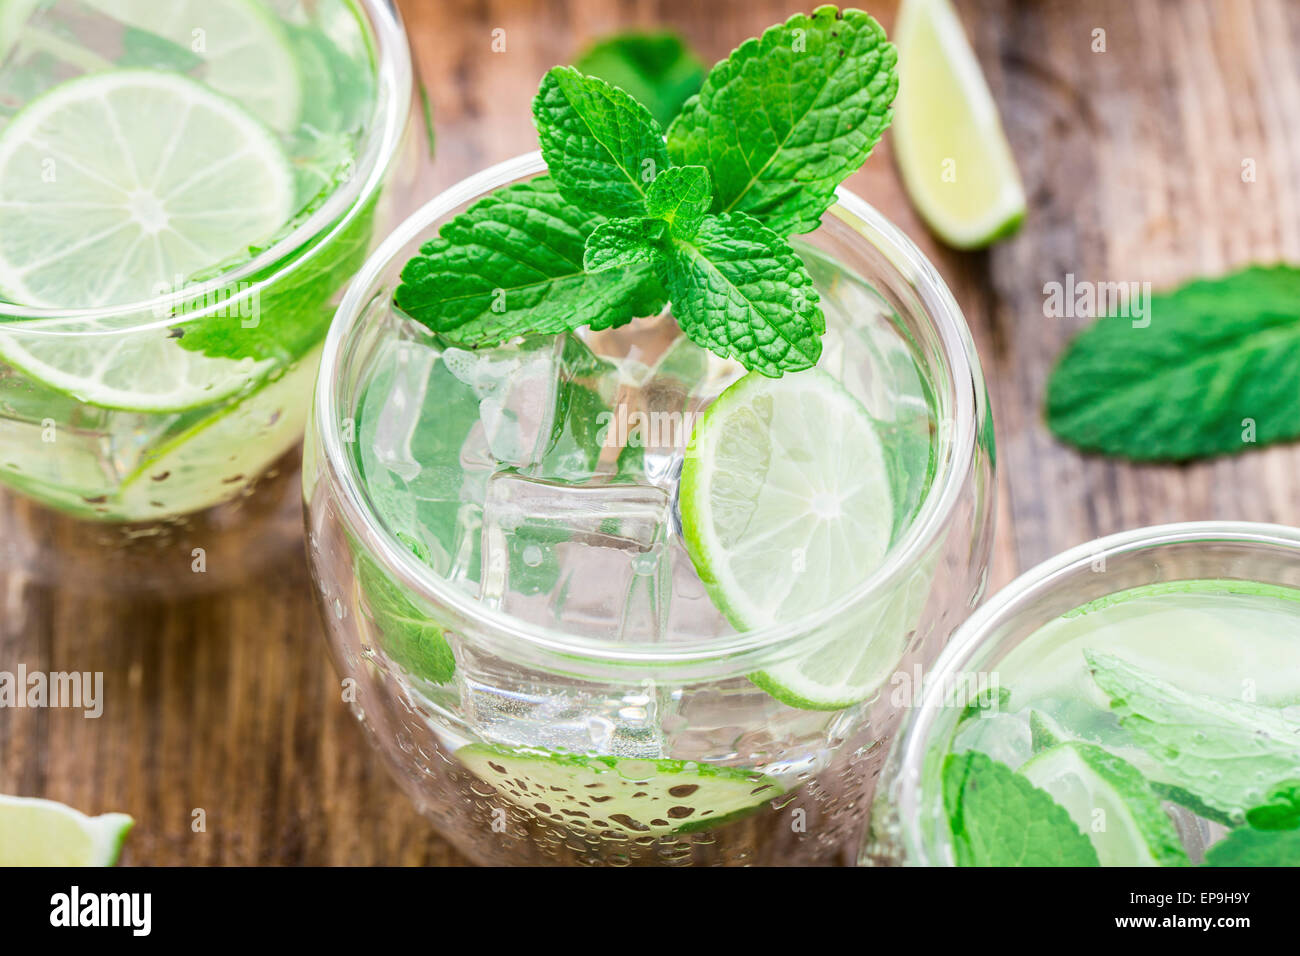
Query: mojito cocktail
(1133, 703)
(549, 644)
(184, 190)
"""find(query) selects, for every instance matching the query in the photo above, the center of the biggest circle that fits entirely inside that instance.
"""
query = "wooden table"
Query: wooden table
(1132, 160)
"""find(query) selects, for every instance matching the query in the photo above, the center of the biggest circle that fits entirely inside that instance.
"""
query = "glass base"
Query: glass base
(190, 554)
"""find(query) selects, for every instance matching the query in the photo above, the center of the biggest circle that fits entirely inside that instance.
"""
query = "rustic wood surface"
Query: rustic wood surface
(1132, 159)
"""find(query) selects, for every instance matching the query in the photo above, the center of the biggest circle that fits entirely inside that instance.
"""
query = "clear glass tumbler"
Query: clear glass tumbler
(1213, 579)
(551, 741)
(190, 480)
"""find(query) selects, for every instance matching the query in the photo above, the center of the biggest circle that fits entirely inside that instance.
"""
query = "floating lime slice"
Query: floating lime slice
(103, 203)
(786, 505)
(623, 795)
(1111, 803)
(952, 152)
(246, 53)
(45, 833)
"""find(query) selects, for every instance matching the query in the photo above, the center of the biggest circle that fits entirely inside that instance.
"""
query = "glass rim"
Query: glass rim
(910, 751)
(958, 356)
(393, 70)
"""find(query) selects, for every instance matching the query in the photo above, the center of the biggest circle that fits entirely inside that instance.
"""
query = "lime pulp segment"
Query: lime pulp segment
(44, 833)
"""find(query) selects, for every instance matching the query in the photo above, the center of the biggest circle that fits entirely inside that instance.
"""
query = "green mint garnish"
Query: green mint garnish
(656, 68)
(621, 243)
(1249, 847)
(681, 197)
(414, 642)
(616, 229)
(789, 116)
(739, 290)
(1223, 752)
(998, 818)
(1216, 371)
(603, 148)
(1281, 812)
(512, 264)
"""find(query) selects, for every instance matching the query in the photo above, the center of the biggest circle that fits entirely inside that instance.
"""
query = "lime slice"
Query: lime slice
(596, 795)
(138, 371)
(44, 833)
(1111, 803)
(786, 504)
(101, 203)
(246, 52)
(216, 459)
(954, 157)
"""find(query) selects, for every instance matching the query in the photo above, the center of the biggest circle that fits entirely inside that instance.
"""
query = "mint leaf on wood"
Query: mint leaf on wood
(512, 264)
(681, 196)
(1250, 847)
(1216, 371)
(623, 242)
(998, 818)
(603, 148)
(739, 290)
(657, 69)
(789, 116)
(1223, 752)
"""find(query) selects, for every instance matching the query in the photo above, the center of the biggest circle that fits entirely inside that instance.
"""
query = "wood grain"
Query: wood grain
(1132, 159)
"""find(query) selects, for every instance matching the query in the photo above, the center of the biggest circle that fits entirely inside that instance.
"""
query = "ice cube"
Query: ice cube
(590, 559)
(517, 387)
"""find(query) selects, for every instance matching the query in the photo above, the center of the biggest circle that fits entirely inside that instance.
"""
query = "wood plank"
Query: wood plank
(1132, 159)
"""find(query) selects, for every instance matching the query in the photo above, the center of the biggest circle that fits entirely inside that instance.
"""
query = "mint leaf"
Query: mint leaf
(1219, 357)
(1281, 812)
(657, 69)
(291, 315)
(623, 242)
(790, 116)
(739, 290)
(681, 196)
(998, 818)
(147, 50)
(1248, 847)
(603, 148)
(1223, 752)
(990, 701)
(512, 264)
(408, 637)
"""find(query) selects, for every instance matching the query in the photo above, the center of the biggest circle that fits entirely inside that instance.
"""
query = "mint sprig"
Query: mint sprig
(616, 228)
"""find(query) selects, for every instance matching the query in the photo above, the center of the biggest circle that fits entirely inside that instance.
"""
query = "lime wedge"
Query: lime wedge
(624, 795)
(1111, 802)
(246, 53)
(953, 155)
(44, 833)
(786, 505)
(101, 203)
(216, 459)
